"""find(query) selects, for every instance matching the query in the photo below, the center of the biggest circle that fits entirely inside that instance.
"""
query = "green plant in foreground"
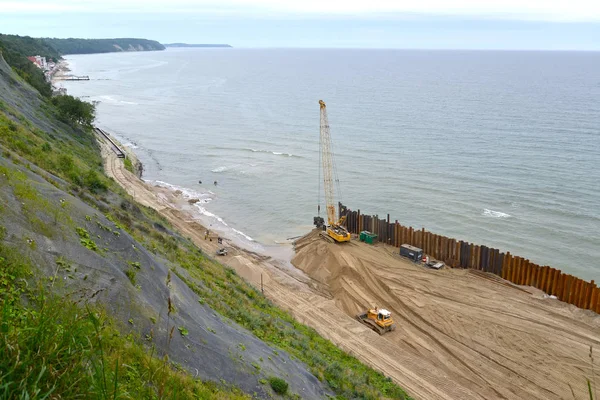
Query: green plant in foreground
(278, 385)
(85, 240)
(131, 274)
(183, 331)
(52, 348)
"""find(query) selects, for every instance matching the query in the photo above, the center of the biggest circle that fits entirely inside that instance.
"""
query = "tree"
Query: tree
(74, 111)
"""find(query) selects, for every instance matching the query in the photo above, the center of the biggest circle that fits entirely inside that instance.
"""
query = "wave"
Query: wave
(276, 153)
(220, 169)
(494, 214)
(111, 100)
(204, 197)
(242, 169)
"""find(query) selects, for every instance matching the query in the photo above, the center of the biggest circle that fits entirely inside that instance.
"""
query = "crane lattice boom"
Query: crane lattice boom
(327, 160)
(335, 230)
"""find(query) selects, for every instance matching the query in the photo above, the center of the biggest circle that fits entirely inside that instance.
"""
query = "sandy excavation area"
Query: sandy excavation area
(460, 335)
(470, 334)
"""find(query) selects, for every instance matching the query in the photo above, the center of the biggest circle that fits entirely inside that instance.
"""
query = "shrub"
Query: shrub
(131, 273)
(93, 182)
(65, 163)
(278, 385)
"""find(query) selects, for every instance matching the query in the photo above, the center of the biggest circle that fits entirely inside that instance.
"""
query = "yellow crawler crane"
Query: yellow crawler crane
(335, 229)
(378, 319)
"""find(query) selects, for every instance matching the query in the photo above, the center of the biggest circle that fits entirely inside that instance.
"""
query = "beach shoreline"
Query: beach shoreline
(183, 202)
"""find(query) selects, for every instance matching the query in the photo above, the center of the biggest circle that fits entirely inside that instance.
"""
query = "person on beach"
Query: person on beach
(215, 183)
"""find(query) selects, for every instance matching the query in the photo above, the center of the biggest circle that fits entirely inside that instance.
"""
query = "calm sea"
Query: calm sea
(498, 148)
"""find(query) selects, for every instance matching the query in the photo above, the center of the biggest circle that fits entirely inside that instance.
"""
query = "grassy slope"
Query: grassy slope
(72, 155)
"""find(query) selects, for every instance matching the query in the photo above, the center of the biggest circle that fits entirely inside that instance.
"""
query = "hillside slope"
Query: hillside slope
(76, 238)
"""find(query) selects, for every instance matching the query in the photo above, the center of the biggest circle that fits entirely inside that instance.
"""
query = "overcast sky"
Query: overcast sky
(465, 24)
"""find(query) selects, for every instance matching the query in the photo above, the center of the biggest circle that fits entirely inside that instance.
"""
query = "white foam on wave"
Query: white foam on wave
(130, 145)
(494, 214)
(185, 192)
(208, 218)
(237, 168)
(111, 100)
(243, 234)
(220, 169)
(277, 153)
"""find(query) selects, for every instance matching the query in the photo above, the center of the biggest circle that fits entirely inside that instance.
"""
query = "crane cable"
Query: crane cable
(335, 174)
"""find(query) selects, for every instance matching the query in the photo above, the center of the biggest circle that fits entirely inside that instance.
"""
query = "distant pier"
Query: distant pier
(72, 78)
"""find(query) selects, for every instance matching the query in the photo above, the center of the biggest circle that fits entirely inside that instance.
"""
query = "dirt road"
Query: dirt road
(459, 336)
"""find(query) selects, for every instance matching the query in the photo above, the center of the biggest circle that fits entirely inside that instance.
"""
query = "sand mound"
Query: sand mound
(461, 332)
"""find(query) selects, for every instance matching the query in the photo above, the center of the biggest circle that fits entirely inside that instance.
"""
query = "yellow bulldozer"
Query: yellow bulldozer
(378, 319)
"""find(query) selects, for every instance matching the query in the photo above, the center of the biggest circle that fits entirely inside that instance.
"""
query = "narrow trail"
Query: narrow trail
(459, 336)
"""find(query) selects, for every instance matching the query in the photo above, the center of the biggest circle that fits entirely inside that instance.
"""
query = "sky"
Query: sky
(425, 24)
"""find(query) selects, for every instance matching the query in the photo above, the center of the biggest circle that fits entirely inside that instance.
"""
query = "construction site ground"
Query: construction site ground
(460, 334)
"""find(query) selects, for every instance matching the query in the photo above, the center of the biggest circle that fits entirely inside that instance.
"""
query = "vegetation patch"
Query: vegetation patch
(85, 240)
(52, 348)
(131, 274)
(128, 165)
(183, 331)
(278, 385)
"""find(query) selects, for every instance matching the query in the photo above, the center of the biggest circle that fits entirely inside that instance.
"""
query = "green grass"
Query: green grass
(128, 165)
(50, 347)
(85, 239)
(131, 274)
(76, 159)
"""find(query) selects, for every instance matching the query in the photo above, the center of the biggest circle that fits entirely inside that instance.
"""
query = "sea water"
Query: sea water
(497, 148)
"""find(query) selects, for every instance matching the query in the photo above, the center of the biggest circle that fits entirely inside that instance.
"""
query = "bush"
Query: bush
(278, 385)
(93, 182)
(131, 273)
(65, 163)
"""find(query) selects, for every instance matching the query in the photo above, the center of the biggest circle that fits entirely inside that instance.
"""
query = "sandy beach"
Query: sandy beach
(460, 335)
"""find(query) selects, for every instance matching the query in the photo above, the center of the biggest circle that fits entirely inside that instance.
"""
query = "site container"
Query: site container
(370, 237)
(412, 252)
